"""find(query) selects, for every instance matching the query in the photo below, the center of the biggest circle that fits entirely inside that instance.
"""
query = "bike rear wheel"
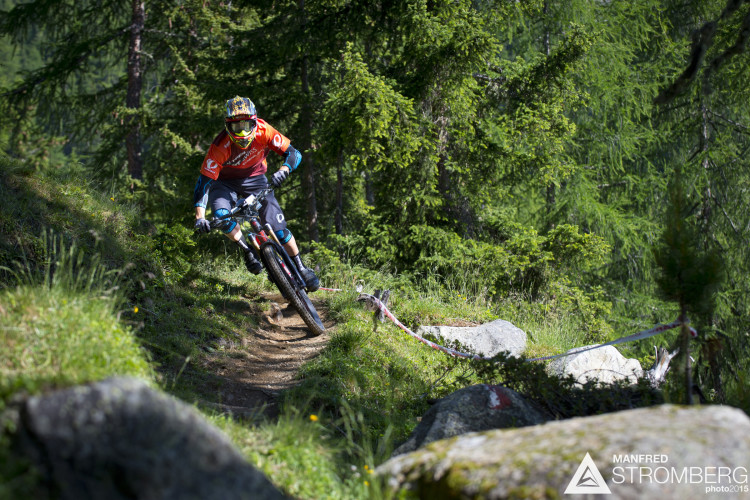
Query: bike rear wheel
(295, 295)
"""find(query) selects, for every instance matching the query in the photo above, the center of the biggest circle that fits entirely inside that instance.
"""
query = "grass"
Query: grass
(60, 325)
(51, 336)
(298, 452)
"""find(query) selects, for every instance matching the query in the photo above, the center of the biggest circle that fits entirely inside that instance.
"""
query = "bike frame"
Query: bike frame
(248, 209)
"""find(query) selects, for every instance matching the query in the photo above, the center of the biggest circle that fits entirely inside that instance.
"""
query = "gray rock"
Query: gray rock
(602, 365)
(487, 340)
(475, 408)
(121, 439)
(645, 453)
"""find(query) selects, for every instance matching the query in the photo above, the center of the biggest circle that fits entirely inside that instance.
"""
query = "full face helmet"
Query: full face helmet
(241, 120)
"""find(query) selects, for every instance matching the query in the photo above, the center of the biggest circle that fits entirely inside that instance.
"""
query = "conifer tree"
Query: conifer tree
(690, 276)
(706, 103)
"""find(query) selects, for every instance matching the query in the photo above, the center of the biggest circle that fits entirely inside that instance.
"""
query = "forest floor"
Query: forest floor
(248, 374)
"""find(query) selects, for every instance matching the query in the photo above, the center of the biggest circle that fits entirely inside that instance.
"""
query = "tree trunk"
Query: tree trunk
(444, 182)
(685, 333)
(135, 84)
(369, 190)
(308, 166)
(444, 176)
(551, 190)
(704, 145)
(340, 193)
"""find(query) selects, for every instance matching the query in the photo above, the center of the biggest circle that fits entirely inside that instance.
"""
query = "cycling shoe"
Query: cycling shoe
(251, 263)
(312, 282)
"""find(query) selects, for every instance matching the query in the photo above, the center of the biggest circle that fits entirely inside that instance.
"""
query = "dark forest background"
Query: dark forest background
(587, 157)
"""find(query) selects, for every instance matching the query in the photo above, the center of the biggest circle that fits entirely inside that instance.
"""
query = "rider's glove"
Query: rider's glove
(279, 177)
(202, 226)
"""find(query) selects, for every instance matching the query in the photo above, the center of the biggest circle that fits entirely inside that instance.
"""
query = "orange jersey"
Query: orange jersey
(226, 160)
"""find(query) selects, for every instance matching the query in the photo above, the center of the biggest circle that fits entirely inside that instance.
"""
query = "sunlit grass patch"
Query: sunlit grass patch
(53, 337)
(302, 453)
(60, 324)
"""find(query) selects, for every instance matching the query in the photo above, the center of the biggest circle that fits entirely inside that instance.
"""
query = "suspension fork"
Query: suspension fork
(257, 235)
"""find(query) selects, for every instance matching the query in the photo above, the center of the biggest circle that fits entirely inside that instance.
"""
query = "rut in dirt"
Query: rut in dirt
(248, 375)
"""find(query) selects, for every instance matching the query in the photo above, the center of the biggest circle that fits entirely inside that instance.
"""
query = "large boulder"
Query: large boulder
(648, 453)
(475, 408)
(121, 439)
(487, 340)
(603, 365)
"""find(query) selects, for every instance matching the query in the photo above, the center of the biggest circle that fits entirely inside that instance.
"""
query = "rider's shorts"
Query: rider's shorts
(225, 193)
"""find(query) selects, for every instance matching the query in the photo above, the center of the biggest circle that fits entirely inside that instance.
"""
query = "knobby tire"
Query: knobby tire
(299, 299)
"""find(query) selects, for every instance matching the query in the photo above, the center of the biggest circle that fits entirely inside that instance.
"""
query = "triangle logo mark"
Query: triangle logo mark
(587, 480)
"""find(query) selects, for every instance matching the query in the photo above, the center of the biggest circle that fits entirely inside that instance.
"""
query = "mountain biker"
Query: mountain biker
(235, 168)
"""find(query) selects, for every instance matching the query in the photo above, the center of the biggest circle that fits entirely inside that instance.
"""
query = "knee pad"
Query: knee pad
(227, 225)
(284, 235)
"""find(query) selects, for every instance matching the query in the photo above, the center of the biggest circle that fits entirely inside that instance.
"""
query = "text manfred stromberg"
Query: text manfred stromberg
(626, 470)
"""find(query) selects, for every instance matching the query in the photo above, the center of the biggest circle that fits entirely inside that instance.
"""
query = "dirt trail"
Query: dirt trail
(265, 361)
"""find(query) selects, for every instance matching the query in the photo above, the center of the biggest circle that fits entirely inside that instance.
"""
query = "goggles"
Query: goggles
(242, 128)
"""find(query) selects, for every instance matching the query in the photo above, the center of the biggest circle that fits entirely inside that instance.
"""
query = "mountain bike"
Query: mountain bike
(282, 271)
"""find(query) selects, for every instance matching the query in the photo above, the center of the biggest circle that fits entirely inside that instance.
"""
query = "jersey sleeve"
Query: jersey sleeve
(276, 140)
(213, 161)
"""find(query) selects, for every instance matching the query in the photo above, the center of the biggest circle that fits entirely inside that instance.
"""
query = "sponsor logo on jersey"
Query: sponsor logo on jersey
(237, 160)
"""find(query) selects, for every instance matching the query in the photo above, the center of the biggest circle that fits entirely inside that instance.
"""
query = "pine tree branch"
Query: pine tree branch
(739, 45)
(738, 126)
(612, 184)
(734, 227)
(63, 67)
(486, 78)
(702, 41)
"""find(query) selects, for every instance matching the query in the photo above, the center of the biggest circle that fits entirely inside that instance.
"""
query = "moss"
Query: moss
(451, 485)
(533, 492)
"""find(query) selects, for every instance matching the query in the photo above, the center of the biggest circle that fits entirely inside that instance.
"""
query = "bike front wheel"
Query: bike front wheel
(296, 295)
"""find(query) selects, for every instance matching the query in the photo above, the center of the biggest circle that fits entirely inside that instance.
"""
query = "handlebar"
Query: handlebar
(252, 202)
